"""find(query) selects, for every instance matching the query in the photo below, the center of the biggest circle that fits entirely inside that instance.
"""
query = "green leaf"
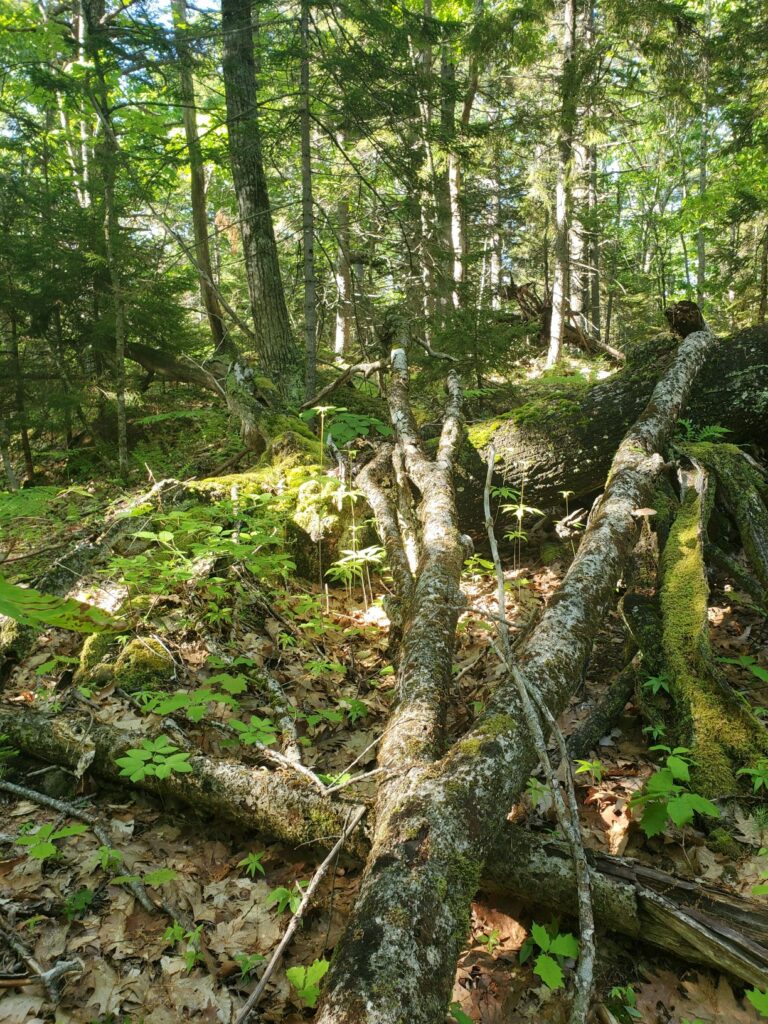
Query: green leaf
(564, 945)
(30, 607)
(160, 877)
(458, 1014)
(679, 768)
(680, 810)
(703, 806)
(549, 971)
(759, 1000)
(760, 890)
(654, 818)
(540, 936)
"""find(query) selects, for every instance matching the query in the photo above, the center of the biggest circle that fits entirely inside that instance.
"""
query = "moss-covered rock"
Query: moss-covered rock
(143, 664)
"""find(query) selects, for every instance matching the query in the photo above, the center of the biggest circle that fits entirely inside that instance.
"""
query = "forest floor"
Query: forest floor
(328, 650)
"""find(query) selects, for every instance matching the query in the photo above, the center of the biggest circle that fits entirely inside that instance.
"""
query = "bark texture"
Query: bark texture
(396, 960)
(563, 433)
(276, 348)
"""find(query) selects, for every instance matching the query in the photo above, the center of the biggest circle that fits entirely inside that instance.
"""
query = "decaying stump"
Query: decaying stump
(684, 318)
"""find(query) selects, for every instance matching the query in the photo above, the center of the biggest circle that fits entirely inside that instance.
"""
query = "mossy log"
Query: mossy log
(698, 923)
(396, 960)
(720, 731)
(561, 432)
(278, 804)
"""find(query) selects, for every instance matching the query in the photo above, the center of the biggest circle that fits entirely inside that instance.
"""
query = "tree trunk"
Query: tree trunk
(307, 211)
(275, 346)
(560, 436)
(343, 274)
(20, 401)
(197, 178)
(568, 107)
(5, 454)
(439, 818)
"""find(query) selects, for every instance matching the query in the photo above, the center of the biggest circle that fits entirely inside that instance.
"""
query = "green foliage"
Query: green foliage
(490, 941)
(759, 1000)
(622, 1002)
(286, 899)
(555, 948)
(758, 774)
(256, 731)
(458, 1014)
(248, 962)
(748, 662)
(657, 684)
(158, 758)
(691, 433)
(41, 844)
(30, 607)
(78, 904)
(595, 768)
(306, 980)
(667, 797)
(252, 863)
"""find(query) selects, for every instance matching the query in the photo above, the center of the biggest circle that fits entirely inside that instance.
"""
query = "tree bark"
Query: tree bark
(563, 202)
(197, 179)
(275, 346)
(561, 437)
(699, 923)
(307, 211)
(5, 454)
(437, 825)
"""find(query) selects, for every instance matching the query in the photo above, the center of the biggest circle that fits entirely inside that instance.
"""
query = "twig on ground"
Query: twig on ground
(50, 978)
(567, 815)
(309, 892)
(73, 811)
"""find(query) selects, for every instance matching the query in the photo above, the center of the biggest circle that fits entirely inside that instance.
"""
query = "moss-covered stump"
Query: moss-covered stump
(562, 432)
(708, 717)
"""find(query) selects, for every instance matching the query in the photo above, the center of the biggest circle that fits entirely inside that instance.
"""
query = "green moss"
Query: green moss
(96, 648)
(143, 664)
(481, 434)
(721, 841)
(721, 734)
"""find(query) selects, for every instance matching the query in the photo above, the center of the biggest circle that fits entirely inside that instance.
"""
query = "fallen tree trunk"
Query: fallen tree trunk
(282, 805)
(562, 432)
(699, 923)
(396, 960)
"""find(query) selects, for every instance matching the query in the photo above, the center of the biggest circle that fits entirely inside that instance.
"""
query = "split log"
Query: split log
(563, 434)
(696, 922)
(395, 962)
(700, 923)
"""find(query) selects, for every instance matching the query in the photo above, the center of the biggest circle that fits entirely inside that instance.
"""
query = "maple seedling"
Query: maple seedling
(555, 948)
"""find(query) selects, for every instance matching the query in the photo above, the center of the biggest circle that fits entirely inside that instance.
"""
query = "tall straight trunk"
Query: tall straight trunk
(568, 105)
(578, 279)
(197, 179)
(343, 275)
(111, 238)
(494, 268)
(5, 455)
(106, 157)
(20, 401)
(701, 246)
(307, 212)
(276, 349)
(594, 247)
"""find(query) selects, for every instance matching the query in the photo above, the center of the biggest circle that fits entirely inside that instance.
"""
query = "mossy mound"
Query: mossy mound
(143, 664)
(97, 657)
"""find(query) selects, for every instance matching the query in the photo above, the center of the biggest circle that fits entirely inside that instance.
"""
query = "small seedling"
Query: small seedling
(657, 684)
(622, 1002)
(759, 1000)
(666, 795)
(555, 948)
(595, 768)
(159, 758)
(252, 863)
(306, 980)
(283, 898)
(42, 843)
(458, 1014)
(248, 962)
(490, 941)
(758, 774)
(77, 904)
